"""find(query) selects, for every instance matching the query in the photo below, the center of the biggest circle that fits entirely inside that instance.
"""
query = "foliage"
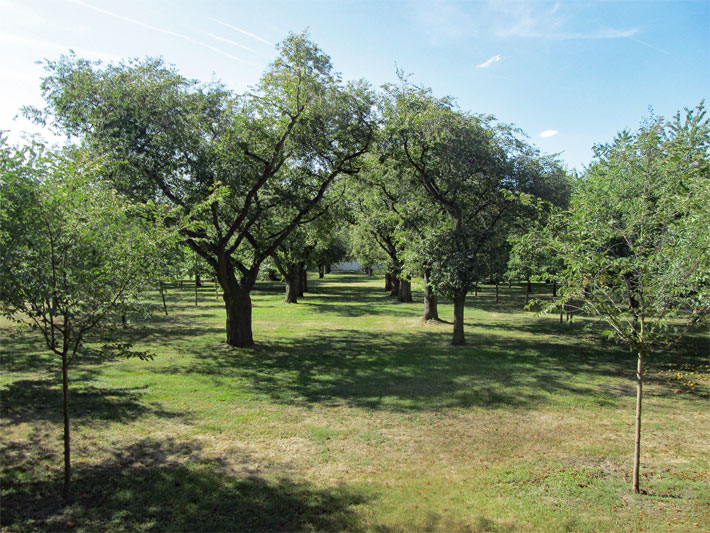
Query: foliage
(248, 169)
(72, 251)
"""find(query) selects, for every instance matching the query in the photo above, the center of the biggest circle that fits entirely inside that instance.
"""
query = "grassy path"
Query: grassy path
(352, 414)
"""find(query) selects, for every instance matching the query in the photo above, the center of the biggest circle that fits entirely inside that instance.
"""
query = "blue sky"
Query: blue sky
(569, 73)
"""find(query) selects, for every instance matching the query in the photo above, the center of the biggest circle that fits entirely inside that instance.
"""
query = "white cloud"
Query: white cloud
(548, 133)
(490, 61)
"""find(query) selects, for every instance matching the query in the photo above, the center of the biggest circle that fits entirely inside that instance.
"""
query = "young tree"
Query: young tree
(636, 240)
(72, 253)
(259, 162)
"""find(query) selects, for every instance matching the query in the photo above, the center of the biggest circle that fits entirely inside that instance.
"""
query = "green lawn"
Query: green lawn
(352, 414)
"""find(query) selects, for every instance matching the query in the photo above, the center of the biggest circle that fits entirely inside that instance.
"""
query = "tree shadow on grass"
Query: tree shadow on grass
(169, 486)
(31, 400)
(417, 371)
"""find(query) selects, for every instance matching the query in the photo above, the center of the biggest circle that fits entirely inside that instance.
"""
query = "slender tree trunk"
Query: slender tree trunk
(554, 288)
(198, 280)
(497, 299)
(162, 295)
(321, 271)
(637, 439)
(404, 295)
(475, 289)
(431, 311)
(327, 269)
(388, 281)
(66, 492)
(196, 285)
(459, 302)
(528, 290)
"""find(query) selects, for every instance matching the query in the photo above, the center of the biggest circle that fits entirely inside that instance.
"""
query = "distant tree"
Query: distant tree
(73, 254)
(259, 162)
(636, 240)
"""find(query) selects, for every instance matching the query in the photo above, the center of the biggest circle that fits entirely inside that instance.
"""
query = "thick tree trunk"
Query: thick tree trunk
(239, 319)
(388, 281)
(394, 286)
(293, 282)
(66, 492)
(431, 311)
(459, 302)
(327, 269)
(637, 440)
(404, 295)
(304, 280)
(237, 303)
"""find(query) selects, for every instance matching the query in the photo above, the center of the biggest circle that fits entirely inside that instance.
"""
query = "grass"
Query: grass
(352, 414)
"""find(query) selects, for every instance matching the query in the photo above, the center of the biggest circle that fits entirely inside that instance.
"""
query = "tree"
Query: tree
(636, 239)
(71, 253)
(473, 168)
(246, 169)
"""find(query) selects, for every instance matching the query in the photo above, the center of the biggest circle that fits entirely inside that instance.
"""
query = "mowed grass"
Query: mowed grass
(352, 414)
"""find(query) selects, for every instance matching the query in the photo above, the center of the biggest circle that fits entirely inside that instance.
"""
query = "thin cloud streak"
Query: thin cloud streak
(548, 133)
(233, 43)
(244, 32)
(157, 29)
(490, 61)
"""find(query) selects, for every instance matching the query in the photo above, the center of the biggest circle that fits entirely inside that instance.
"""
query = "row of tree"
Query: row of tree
(272, 176)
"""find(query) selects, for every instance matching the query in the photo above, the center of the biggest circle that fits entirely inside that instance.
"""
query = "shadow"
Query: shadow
(30, 400)
(169, 486)
(419, 371)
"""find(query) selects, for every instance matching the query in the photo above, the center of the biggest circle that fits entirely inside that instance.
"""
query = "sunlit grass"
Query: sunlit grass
(353, 414)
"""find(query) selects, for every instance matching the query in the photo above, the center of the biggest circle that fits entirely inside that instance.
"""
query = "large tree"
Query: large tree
(249, 169)
(636, 240)
(73, 253)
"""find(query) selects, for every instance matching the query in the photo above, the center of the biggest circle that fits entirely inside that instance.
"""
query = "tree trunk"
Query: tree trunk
(394, 287)
(431, 311)
(293, 282)
(404, 295)
(528, 290)
(327, 269)
(475, 289)
(162, 295)
(237, 303)
(239, 319)
(321, 271)
(554, 288)
(304, 280)
(388, 281)
(66, 492)
(459, 302)
(196, 285)
(637, 440)
(497, 300)
(198, 280)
